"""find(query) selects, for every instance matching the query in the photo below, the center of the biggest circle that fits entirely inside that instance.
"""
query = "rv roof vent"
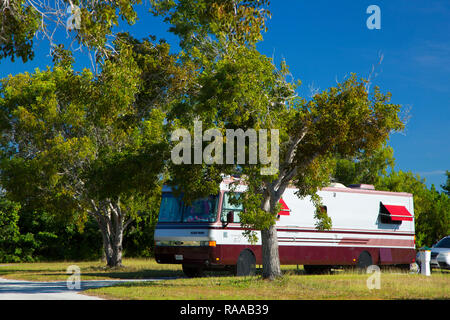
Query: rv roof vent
(362, 186)
(337, 185)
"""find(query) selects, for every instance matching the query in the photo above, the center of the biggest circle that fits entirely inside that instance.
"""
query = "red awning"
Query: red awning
(284, 211)
(398, 213)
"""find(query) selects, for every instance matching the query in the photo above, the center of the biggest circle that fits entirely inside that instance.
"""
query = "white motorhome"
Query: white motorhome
(368, 227)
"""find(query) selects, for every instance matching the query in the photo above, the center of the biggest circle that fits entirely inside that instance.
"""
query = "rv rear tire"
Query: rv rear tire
(364, 260)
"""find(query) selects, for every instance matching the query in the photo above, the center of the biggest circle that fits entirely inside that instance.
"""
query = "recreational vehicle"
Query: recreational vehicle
(368, 227)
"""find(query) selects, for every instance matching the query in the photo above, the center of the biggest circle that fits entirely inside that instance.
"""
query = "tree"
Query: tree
(75, 144)
(196, 20)
(9, 230)
(239, 88)
(364, 168)
(139, 238)
(18, 26)
(22, 21)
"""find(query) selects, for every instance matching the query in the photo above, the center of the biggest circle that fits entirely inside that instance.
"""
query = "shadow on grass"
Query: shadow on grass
(97, 272)
(140, 274)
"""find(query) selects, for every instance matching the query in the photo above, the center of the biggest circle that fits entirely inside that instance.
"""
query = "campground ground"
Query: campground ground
(171, 284)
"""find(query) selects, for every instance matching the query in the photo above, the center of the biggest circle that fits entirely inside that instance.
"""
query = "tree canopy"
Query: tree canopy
(23, 21)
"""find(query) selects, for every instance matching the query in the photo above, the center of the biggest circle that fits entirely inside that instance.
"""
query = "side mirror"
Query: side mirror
(230, 217)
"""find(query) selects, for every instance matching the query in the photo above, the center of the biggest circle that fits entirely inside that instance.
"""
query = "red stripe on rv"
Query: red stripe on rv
(378, 242)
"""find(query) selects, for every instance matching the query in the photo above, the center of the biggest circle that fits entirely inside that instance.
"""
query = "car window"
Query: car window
(444, 243)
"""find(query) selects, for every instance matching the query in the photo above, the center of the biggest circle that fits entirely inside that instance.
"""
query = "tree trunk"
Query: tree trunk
(112, 245)
(111, 225)
(113, 251)
(270, 255)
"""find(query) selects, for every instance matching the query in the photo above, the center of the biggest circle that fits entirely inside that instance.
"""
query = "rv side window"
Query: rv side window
(227, 207)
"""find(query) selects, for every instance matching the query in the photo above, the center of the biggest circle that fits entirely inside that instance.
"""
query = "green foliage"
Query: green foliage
(21, 20)
(98, 18)
(139, 237)
(75, 144)
(27, 236)
(193, 21)
(15, 245)
(323, 220)
(238, 87)
(446, 187)
(18, 26)
(230, 93)
(59, 239)
(74, 138)
(8, 219)
(364, 168)
(9, 230)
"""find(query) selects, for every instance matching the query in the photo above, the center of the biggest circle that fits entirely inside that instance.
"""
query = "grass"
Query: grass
(290, 287)
(293, 285)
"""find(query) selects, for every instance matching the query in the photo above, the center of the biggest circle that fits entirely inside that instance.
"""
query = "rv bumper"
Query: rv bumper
(201, 255)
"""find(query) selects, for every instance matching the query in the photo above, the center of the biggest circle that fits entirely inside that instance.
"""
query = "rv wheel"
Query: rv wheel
(192, 271)
(364, 260)
(246, 264)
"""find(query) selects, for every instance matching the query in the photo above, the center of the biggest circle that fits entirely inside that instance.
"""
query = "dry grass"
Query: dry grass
(290, 287)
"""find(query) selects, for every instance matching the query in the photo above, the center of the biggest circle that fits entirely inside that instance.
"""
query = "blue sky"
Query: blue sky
(323, 41)
(326, 40)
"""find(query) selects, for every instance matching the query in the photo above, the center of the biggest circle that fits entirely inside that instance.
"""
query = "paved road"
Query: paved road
(55, 290)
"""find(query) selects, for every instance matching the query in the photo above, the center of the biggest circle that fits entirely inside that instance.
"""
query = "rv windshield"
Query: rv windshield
(173, 209)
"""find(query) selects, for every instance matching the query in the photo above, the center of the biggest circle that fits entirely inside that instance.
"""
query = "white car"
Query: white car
(443, 260)
(440, 254)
